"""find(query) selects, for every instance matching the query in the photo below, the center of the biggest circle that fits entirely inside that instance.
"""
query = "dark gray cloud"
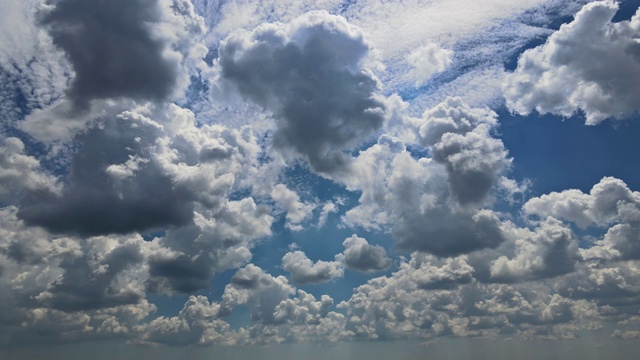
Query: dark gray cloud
(112, 49)
(310, 74)
(447, 233)
(361, 256)
(181, 274)
(82, 287)
(96, 202)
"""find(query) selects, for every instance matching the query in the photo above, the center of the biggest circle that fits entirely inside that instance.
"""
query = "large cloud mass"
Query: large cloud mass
(591, 64)
(311, 74)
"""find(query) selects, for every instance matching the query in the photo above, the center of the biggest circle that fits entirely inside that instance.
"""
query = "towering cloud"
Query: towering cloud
(118, 48)
(311, 74)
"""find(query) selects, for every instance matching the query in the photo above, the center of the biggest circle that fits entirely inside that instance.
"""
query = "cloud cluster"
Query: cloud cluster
(358, 255)
(434, 204)
(591, 64)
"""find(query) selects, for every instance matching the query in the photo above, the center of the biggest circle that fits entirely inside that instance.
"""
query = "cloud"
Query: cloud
(304, 309)
(216, 241)
(33, 71)
(114, 48)
(428, 60)
(196, 321)
(19, 171)
(430, 298)
(94, 203)
(436, 204)
(311, 75)
(361, 256)
(327, 209)
(296, 210)
(550, 250)
(460, 138)
(262, 292)
(591, 64)
(144, 167)
(610, 205)
(305, 271)
(447, 274)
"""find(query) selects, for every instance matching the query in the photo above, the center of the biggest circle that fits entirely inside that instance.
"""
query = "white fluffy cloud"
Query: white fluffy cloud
(305, 271)
(428, 60)
(550, 250)
(19, 171)
(610, 205)
(289, 201)
(591, 64)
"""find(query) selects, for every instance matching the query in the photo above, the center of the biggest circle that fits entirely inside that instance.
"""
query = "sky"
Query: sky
(358, 179)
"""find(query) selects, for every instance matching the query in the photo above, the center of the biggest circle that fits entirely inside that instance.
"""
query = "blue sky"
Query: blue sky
(320, 179)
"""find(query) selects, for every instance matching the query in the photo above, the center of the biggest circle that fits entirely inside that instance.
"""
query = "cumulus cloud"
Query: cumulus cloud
(428, 298)
(262, 292)
(289, 201)
(19, 171)
(114, 48)
(591, 64)
(304, 309)
(428, 60)
(361, 256)
(610, 204)
(216, 241)
(434, 204)
(550, 250)
(305, 271)
(311, 75)
(158, 166)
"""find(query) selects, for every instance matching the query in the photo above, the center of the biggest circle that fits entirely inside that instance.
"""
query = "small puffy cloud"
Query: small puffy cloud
(361, 256)
(428, 60)
(289, 201)
(328, 208)
(19, 171)
(591, 64)
(311, 74)
(196, 322)
(609, 201)
(305, 271)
